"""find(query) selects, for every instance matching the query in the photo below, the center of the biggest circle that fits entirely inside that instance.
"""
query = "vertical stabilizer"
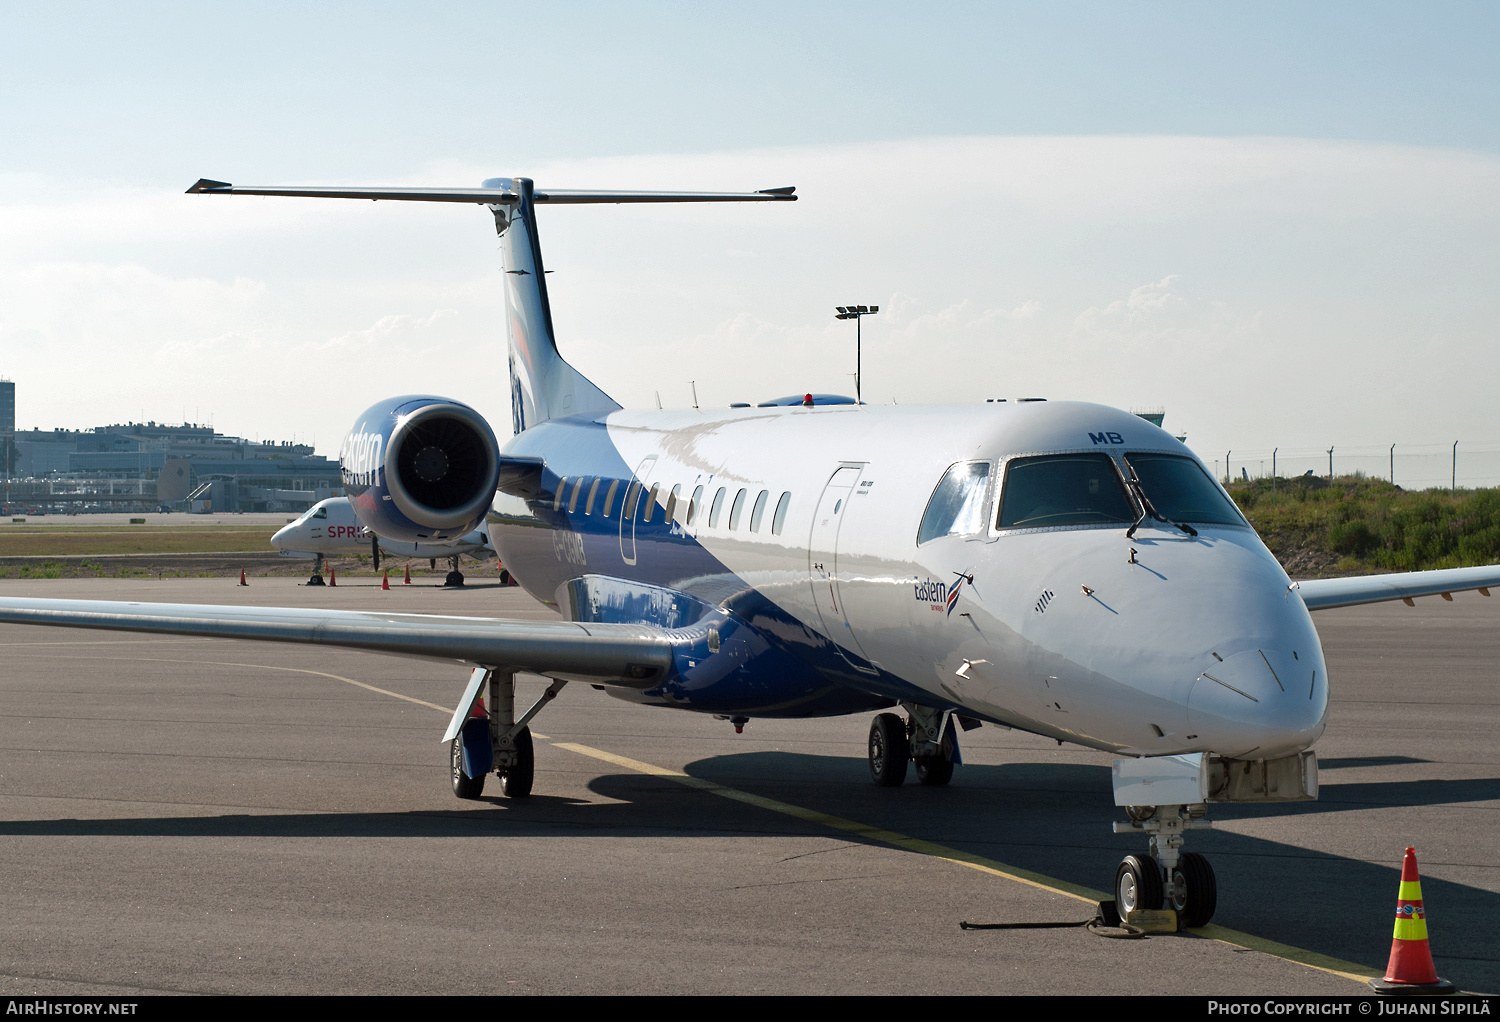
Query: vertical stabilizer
(542, 384)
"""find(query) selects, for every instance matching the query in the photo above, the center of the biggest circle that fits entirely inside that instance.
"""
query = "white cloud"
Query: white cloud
(1244, 284)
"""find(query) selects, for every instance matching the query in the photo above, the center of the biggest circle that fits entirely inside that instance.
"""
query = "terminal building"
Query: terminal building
(149, 465)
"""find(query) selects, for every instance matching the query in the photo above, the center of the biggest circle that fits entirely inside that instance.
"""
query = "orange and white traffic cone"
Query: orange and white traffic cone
(333, 579)
(1411, 970)
(385, 583)
(478, 710)
(242, 578)
(407, 580)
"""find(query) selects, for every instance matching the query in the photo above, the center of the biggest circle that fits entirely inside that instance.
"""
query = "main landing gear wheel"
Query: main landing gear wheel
(889, 750)
(1137, 884)
(934, 771)
(515, 780)
(464, 786)
(1193, 892)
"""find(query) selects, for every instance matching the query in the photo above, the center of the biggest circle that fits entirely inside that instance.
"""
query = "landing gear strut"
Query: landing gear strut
(317, 575)
(926, 738)
(454, 577)
(1168, 877)
(513, 756)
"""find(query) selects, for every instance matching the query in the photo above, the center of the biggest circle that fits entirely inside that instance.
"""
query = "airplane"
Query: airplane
(1058, 567)
(331, 527)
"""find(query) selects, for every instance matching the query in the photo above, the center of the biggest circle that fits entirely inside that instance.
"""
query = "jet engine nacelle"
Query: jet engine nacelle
(420, 468)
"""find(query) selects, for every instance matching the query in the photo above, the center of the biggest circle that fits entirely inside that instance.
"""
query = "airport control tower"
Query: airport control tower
(7, 406)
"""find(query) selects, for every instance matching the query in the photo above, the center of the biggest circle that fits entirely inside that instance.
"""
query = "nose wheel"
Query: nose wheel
(1138, 884)
(1168, 877)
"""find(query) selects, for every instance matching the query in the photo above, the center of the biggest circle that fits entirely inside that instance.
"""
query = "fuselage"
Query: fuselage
(784, 543)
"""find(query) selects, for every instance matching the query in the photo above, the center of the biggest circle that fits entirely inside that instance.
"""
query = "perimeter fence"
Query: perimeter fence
(1464, 465)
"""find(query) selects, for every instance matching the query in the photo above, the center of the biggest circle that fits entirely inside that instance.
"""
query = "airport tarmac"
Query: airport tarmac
(191, 815)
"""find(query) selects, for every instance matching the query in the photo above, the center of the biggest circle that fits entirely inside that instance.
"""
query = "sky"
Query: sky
(1277, 221)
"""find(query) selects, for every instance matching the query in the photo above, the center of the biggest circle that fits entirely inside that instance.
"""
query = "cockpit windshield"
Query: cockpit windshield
(1180, 491)
(1063, 489)
(321, 511)
(957, 505)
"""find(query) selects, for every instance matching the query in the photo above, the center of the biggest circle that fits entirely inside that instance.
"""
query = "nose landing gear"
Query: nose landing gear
(1168, 877)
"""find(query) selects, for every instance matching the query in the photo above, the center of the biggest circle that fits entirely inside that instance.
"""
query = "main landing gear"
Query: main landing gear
(495, 740)
(1168, 877)
(926, 738)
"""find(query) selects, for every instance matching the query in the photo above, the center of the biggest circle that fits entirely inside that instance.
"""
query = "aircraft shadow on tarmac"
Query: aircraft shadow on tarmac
(1049, 818)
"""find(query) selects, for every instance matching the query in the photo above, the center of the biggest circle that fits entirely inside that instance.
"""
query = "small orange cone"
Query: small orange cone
(385, 583)
(1411, 970)
(333, 579)
(478, 710)
(242, 578)
(407, 580)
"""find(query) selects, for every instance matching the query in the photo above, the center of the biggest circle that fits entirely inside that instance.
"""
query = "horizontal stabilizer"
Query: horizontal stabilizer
(1327, 593)
(632, 656)
(499, 196)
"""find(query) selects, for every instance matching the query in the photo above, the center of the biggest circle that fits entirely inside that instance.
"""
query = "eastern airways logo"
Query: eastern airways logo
(359, 461)
(941, 596)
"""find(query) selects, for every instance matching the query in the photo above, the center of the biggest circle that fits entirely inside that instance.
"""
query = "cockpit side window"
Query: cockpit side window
(1181, 491)
(957, 505)
(1063, 489)
(318, 512)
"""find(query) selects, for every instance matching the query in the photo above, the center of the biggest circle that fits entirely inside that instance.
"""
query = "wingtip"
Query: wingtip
(204, 184)
(785, 192)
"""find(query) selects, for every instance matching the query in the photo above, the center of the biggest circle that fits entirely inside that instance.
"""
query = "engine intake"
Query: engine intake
(421, 468)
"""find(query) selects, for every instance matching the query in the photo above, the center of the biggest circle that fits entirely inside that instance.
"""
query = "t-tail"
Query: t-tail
(543, 385)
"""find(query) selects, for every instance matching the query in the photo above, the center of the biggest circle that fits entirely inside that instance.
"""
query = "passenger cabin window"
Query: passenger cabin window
(956, 507)
(588, 508)
(693, 504)
(1181, 491)
(573, 502)
(632, 498)
(557, 498)
(760, 510)
(780, 517)
(1063, 489)
(609, 498)
(651, 502)
(672, 503)
(713, 511)
(735, 509)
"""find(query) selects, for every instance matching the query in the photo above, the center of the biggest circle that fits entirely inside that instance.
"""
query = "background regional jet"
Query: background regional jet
(330, 527)
(1058, 567)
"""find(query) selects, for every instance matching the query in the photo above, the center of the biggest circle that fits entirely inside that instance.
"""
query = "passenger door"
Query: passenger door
(822, 564)
(630, 508)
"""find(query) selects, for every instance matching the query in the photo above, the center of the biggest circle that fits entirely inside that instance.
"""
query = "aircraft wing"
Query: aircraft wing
(1327, 593)
(632, 656)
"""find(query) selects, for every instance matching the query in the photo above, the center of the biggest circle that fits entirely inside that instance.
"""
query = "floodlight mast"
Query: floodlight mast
(856, 313)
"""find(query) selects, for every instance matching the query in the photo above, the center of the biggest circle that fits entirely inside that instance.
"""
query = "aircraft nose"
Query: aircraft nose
(283, 537)
(1262, 702)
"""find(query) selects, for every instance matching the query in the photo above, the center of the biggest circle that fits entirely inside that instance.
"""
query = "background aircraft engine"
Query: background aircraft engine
(420, 468)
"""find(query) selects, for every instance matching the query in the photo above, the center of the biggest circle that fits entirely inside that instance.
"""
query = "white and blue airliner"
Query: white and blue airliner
(1058, 567)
